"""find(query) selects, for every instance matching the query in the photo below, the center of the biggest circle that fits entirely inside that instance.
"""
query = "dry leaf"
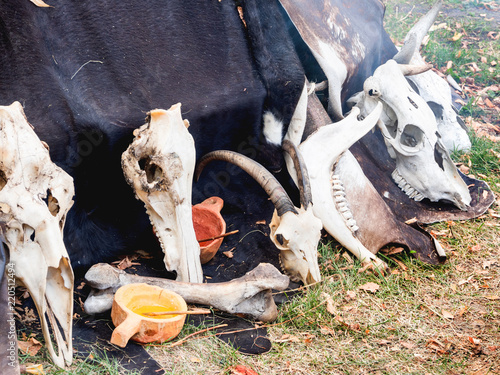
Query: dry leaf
(351, 294)
(33, 369)
(126, 263)
(326, 331)
(242, 370)
(263, 222)
(447, 314)
(492, 297)
(456, 37)
(330, 306)
(370, 287)
(286, 338)
(229, 254)
(41, 4)
(30, 347)
(407, 345)
(195, 360)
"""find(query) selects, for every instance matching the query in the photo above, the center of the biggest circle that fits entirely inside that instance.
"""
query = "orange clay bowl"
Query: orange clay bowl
(208, 223)
(133, 299)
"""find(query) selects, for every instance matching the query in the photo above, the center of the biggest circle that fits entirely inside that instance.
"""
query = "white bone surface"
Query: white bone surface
(322, 151)
(250, 294)
(35, 196)
(300, 234)
(159, 166)
(424, 168)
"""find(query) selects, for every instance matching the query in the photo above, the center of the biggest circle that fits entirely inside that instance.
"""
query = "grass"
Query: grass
(422, 319)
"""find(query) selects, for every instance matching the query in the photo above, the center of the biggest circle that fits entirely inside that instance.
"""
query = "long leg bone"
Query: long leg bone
(249, 294)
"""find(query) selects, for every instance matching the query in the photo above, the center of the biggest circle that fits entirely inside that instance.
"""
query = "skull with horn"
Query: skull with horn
(295, 231)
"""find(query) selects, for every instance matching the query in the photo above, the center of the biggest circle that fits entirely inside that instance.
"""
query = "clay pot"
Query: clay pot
(208, 223)
(133, 298)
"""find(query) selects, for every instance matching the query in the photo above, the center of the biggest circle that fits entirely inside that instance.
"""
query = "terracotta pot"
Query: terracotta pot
(133, 298)
(208, 223)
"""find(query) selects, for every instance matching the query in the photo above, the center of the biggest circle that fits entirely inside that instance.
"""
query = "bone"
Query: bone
(35, 197)
(249, 295)
(159, 166)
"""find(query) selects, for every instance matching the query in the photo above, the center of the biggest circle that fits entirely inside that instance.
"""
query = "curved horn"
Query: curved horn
(302, 175)
(264, 178)
(414, 38)
(410, 70)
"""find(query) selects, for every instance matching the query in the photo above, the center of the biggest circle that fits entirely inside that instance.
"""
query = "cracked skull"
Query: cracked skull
(35, 196)
(424, 168)
(159, 166)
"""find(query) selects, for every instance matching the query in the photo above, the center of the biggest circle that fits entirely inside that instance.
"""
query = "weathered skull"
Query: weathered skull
(295, 231)
(424, 168)
(322, 152)
(159, 166)
(35, 196)
(432, 88)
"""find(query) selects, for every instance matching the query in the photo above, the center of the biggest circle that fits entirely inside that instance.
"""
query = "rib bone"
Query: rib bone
(249, 294)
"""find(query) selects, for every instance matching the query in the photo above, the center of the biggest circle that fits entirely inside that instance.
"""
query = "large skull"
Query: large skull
(35, 196)
(159, 166)
(295, 231)
(424, 168)
(432, 88)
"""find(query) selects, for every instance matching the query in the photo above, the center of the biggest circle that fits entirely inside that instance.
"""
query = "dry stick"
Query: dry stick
(219, 236)
(194, 334)
(193, 312)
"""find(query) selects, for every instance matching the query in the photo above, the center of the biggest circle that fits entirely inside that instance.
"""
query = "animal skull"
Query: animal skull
(35, 196)
(295, 231)
(159, 166)
(432, 88)
(424, 168)
(322, 152)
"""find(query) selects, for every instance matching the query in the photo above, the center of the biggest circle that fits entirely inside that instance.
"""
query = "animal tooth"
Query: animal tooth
(347, 215)
(418, 197)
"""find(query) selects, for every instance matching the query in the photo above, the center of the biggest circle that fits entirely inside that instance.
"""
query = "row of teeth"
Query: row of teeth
(406, 187)
(339, 197)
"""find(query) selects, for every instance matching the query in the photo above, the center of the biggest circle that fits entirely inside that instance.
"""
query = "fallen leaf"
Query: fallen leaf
(370, 287)
(229, 254)
(263, 222)
(286, 338)
(30, 347)
(33, 369)
(462, 311)
(351, 294)
(41, 4)
(456, 37)
(407, 345)
(195, 360)
(126, 262)
(447, 314)
(326, 331)
(330, 306)
(242, 370)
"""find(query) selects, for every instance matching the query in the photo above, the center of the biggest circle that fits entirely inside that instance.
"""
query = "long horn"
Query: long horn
(414, 38)
(411, 70)
(302, 175)
(264, 178)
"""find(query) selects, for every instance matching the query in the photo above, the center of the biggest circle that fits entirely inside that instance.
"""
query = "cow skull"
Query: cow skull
(295, 231)
(159, 166)
(35, 196)
(322, 151)
(424, 168)
(432, 88)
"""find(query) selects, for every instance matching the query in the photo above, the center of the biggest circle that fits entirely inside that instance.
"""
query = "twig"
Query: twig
(192, 312)
(180, 342)
(219, 236)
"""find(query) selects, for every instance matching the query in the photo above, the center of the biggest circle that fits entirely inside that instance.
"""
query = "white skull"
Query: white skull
(424, 168)
(159, 166)
(297, 235)
(35, 196)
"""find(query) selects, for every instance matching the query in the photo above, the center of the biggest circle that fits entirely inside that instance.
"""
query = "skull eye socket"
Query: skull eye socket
(52, 203)
(412, 137)
(153, 171)
(3, 179)
(280, 239)
(393, 129)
